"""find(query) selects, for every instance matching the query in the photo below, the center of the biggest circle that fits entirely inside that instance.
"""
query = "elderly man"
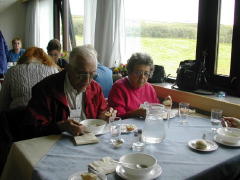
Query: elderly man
(60, 100)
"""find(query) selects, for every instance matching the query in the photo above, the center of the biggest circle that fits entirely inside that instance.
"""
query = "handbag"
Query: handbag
(159, 75)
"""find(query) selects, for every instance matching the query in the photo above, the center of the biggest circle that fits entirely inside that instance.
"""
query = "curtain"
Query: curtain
(90, 8)
(104, 27)
(39, 23)
(32, 34)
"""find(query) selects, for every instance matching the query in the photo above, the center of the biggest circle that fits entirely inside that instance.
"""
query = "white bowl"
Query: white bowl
(138, 158)
(95, 126)
(229, 135)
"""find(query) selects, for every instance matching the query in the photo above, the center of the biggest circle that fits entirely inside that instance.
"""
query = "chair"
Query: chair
(12, 128)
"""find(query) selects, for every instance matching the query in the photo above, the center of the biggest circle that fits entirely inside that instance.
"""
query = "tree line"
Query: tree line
(160, 30)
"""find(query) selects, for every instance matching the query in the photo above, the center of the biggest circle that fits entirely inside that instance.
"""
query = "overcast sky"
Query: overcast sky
(164, 10)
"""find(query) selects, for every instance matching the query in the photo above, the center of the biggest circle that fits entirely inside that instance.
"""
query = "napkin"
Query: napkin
(88, 138)
(104, 165)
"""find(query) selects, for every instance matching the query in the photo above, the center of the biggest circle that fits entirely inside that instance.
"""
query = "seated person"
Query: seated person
(104, 76)
(32, 67)
(67, 95)
(54, 50)
(232, 122)
(127, 94)
(16, 52)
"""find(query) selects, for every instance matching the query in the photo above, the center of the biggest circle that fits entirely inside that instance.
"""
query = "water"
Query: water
(138, 146)
(215, 122)
(153, 131)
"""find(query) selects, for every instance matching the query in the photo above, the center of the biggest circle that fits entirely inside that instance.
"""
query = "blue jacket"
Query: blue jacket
(104, 78)
(3, 54)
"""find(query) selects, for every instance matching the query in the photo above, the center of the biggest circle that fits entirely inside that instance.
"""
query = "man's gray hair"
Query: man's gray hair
(83, 52)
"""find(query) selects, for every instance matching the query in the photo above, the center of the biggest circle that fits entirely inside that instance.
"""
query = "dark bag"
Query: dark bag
(190, 75)
(158, 75)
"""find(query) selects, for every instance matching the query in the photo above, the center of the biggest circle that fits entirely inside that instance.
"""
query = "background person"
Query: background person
(127, 94)
(104, 75)
(54, 50)
(16, 52)
(71, 93)
(32, 67)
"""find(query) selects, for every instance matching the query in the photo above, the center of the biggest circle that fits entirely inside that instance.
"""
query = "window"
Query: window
(77, 11)
(225, 37)
(166, 30)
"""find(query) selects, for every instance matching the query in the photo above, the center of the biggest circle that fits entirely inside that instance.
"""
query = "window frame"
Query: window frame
(208, 39)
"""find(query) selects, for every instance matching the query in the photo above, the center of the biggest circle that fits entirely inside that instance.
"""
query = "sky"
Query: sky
(185, 11)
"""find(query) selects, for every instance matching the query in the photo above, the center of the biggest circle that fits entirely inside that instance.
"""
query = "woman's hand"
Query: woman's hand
(110, 113)
(232, 122)
(168, 101)
(72, 127)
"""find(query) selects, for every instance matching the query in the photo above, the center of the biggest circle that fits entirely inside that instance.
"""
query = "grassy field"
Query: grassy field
(169, 52)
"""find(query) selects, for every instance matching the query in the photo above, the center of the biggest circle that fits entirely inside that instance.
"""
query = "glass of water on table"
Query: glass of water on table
(216, 117)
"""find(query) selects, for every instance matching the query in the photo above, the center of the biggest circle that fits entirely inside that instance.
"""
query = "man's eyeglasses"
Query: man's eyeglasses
(140, 73)
(86, 75)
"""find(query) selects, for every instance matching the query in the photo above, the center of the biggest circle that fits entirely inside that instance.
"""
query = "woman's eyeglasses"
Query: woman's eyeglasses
(140, 73)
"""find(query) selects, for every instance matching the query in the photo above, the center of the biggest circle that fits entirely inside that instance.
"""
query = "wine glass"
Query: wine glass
(183, 111)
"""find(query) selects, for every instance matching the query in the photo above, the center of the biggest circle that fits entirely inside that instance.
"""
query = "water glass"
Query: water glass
(183, 111)
(115, 128)
(216, 116)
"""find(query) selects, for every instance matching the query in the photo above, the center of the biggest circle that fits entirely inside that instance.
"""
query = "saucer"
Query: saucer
(211, 146)
(220, 141)
(154, 173)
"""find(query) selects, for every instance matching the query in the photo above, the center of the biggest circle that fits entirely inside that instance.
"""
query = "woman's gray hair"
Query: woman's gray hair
(140, 59)
(83, 52)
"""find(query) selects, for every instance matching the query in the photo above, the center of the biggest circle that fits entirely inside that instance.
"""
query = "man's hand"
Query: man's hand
(232, 122)
(72, 127)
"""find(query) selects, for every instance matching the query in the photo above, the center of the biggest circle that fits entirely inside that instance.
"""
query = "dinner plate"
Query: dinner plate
(220, 141)
(211, 145)
(156, 172)
(77, 176)
(128, 128)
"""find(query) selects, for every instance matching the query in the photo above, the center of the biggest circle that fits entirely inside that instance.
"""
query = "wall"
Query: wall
(12, 22)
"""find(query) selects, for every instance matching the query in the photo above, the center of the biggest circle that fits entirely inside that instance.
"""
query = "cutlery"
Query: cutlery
(138, 166)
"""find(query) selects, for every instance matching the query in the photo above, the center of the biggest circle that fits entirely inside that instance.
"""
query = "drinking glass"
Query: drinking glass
(115, 128)
(216, 116)
(183, 111)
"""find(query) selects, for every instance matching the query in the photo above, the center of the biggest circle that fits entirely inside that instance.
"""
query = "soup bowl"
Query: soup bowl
(96, 126)
(146, 161)
(229, 135)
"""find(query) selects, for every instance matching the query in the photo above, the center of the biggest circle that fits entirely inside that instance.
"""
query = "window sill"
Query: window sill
(230, 105)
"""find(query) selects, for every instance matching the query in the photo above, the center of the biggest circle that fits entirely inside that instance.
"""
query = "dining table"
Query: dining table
(57, 157)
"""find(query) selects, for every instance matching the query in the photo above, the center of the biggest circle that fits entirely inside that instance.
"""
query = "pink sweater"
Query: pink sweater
(124, 98)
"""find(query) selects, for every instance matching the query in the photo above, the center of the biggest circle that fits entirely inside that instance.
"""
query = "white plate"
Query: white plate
(124, 128)
(211, 146)
(220, 141)
(77, 176)
(157, 171)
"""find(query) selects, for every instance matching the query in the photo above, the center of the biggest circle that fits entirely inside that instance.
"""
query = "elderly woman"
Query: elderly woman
(32, 67)
(127, 94)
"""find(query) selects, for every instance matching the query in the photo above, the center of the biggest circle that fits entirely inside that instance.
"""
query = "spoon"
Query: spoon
(138, 166)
